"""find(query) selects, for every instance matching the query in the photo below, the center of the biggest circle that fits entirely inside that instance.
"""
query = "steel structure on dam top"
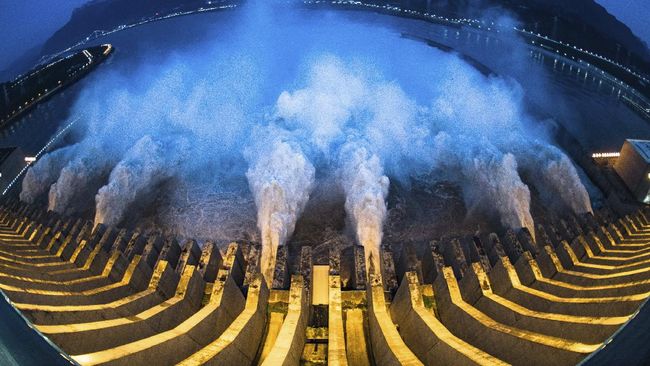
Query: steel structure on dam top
(573, 289)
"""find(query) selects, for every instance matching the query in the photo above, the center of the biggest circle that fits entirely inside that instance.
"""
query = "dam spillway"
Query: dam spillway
(274, 186)
(109, 296)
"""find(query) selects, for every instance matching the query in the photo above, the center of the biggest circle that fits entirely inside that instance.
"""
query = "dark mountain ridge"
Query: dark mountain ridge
(583, 23)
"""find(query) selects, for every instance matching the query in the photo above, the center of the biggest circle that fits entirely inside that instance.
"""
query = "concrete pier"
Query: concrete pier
(113, 297)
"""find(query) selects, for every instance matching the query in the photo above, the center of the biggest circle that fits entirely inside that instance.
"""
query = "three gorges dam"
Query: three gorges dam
(325, 182)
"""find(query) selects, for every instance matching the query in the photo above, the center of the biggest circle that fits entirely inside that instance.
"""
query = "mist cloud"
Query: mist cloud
(225, 125)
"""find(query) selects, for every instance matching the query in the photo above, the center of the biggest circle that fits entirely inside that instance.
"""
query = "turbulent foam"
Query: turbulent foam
(76, 181)
(366, 187)
(328, 102)
(200, 212)
(274, 100)
(144, 166)
(281, 179)
(489, 178)
(556, 178)
(44, 173)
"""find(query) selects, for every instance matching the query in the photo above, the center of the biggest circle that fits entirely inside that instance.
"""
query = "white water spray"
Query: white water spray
(144, 166)
(281, 179)
(78, 179)
(44, 173)
(366, 187)
(489, 178)
(555, 178)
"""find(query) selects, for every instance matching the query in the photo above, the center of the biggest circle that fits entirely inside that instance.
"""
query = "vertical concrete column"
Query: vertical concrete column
(605, 237)
(432, 262)
(615, 233)
(189, 255)
(527, 242)
(336, 354)
(85, 232)
(387, 346)
(253, 258)
(589, 221)
(210, 262)
(281, 273)
(511, 245)
(121, 241)
(45, 235)
(359, 277)
(73, 239)
(290, 341)
(455, 257)
(334, 260)
(565, 254)
(578, 247)
(305, 267)
(170, 252)
(566, 233)
(493, 247)
(477, 253)
(553, 235)
(96, 235)
(110, 236)
(29, 229)
(135, 245)
(151, 251)
(547, 261)
(622, 226)
(524, 269)
(408, 261)
(575, 225)
(542, 236)
(388, 271)
(34, 234)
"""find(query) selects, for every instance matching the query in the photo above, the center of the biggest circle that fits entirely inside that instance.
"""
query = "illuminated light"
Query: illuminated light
(488, 322)
(487, 292)
(52, 140)
(75, 308)
(126, 279)
(516, 284)
(30, 159)
(606, 155)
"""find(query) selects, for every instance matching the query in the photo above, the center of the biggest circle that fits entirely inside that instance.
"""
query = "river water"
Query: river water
(586, 102)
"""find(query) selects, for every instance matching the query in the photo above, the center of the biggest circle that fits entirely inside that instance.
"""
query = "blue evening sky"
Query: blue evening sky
(634, 13)
(25, 24)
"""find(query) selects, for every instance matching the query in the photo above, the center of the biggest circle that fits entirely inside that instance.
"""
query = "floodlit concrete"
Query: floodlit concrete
(430, 340)
(320, 285)
(288, 345)
(110, 296)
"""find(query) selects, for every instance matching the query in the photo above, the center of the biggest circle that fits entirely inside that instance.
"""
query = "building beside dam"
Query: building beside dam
(571, 289)
(108, 296)
(633, 166)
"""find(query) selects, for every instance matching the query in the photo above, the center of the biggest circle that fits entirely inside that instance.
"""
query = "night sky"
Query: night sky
(634, 13)
(28, 23)
(25, 24)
